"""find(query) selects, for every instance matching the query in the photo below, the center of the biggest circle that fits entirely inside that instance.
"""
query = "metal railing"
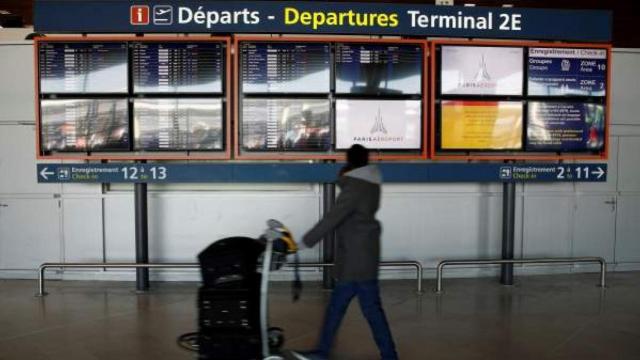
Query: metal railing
(41, 270)
(603, 265)
(45, 266)
(415, 264)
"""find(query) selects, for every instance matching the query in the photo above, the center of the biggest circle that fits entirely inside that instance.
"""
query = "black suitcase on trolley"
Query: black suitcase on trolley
(229, 300)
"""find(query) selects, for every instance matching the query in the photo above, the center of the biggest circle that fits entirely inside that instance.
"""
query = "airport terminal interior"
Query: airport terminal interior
(220, 180)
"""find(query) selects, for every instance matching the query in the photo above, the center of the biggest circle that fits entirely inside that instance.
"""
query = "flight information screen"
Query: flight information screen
(481, 125)
(178, 124)
(77, 67)
(565, 126)
(378, 69)
(178, 67)
(379, 124)
(567, 72)
(84, 125)
(482, 70)
(285, 67)
(286, 124)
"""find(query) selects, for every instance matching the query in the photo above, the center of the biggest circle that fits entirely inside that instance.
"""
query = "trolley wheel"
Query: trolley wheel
(276, 338)
(189, 341)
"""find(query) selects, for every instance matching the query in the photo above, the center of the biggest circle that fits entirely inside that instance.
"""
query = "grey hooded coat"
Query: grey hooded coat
(357, 230)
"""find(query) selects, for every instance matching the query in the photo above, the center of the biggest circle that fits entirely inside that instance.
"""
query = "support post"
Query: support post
(142, 236)
(508, 230)
(328, 244)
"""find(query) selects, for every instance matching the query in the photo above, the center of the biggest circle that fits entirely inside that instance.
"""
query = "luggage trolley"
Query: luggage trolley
(233, 316)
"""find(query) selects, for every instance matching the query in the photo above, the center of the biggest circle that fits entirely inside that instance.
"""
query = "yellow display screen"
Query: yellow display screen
(481, 125)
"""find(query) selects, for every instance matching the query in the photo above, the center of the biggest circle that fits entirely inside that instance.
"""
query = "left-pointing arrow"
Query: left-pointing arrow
(45, 174)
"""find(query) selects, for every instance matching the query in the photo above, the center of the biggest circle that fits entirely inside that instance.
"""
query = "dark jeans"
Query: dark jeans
(368, 294)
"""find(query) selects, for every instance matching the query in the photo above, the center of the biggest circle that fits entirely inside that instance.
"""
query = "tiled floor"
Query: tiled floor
(543, 317)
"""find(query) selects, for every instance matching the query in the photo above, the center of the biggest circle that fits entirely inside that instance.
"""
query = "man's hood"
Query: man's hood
(369, 173)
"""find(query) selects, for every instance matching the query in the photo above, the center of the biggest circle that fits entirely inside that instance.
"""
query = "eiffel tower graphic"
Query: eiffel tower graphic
(482, 74)
(378, 125)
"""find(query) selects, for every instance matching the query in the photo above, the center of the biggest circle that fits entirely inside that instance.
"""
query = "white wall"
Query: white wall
(427, 222)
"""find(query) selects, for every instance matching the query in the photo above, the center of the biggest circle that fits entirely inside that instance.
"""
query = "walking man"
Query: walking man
(358, 254)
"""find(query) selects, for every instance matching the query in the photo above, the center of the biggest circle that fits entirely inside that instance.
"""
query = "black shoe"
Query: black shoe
(308, 355)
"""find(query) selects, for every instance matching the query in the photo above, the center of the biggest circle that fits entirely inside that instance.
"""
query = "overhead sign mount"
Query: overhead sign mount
(315, 173)
(306, 17)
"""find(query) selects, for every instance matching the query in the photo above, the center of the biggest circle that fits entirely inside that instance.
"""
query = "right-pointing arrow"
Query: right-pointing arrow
(600, 172)
(45, 174)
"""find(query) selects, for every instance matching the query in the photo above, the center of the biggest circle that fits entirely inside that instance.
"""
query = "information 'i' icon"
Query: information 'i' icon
(139, 15)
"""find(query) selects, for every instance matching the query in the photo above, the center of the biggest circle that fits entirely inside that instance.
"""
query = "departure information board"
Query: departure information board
(178, 67)
(178, 124)
(77, 67)
(286, 124)
(378, 69)
(85, 125)
(285, 67)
